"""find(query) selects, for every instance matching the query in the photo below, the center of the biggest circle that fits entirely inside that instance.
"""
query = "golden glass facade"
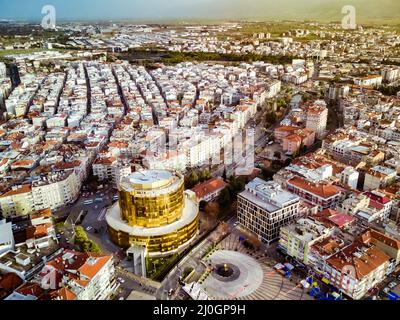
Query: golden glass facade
(161, 243)
(153, 210)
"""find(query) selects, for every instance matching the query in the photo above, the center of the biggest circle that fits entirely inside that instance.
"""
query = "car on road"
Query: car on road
(121, 298)
(304, 284)
(392, 284)
(88, 202)
(398, 277)
(236, 224)
(386, 290)
(89, 228)
(121, 280)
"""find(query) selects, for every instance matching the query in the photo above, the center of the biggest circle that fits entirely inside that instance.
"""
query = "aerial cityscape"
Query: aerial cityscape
(200, 150)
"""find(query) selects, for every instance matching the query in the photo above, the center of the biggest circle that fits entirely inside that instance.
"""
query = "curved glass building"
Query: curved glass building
(153, 211)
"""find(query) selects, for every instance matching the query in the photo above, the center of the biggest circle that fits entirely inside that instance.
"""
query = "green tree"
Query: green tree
(270, 118)
(303, 148)
(202, 204)
(191, 180)
(93, 247)
(204, 175)
(224, 174)
(224, 199)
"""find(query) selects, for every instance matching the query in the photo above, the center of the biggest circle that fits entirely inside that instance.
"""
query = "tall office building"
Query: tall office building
(263, 208)
(155, 217)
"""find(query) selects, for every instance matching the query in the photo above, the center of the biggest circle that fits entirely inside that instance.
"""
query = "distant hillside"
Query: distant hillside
(326, 10)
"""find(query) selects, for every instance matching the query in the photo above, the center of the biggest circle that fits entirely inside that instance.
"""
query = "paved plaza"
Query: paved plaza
(249, 275)
(257, 279)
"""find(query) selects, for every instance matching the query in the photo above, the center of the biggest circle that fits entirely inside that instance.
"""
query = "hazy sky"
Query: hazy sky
(211, 9)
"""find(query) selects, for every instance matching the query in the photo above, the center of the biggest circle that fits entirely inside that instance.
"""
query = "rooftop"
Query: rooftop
(268, 195)
(208, 187)
(322, 190)
(362, 258)
(148, 180)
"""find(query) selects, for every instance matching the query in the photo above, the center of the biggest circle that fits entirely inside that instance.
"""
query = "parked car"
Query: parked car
(305, 284)
(392, 284)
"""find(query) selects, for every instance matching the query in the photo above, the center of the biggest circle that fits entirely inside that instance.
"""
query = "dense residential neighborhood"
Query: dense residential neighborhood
(232, 160)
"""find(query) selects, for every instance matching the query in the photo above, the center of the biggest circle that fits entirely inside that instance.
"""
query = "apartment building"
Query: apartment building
(169, 160)
(322, 194)
(51, 191)
(372, 80)
(111, 169)
(378, 177)
(296, 239)
(386, 243)
(302, 137)
(356, 269)
(71, 275)
(17, 201)
(317, 117)
(55, 190)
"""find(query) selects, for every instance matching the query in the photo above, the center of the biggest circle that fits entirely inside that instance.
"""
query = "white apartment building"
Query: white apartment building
(200, 149)
(3, 70)
(373, 80)
(169, 160)
(85, 276)
(297, 238)
(52, 191)
(349, 177)
(55, 190)
(379, 176)
(317, 117)
(390, 74)
(17, 201)
(6, 236)
(264, 207)
(111, 169)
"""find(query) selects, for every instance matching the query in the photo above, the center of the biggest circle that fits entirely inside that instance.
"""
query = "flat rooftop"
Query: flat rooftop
(148, 180)
(268, 195)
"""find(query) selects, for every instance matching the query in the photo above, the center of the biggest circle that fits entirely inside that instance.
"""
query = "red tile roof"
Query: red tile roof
(367, 262)
(373, 236)
(19, 190)
(319, 189)
(208, 187)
